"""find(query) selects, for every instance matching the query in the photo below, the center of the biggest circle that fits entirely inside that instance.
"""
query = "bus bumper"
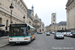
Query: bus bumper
(10, 42)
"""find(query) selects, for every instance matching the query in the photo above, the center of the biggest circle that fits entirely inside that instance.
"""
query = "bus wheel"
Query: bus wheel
(10, 43)
(34, 38)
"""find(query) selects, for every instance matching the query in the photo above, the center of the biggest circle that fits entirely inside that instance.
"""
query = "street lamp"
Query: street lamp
(11, 8)
(24, 18)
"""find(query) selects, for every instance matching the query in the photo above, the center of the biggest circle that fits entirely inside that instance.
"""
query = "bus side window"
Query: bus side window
(27, 31)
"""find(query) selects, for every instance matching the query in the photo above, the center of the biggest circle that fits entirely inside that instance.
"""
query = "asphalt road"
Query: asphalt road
(43, 42)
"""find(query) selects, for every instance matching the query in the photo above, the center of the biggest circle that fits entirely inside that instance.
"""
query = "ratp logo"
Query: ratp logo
(17, 39)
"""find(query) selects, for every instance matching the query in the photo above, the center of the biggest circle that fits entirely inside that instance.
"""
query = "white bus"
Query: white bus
(21, 33)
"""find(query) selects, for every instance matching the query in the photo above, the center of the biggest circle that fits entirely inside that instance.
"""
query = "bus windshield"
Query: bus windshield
(17, 31)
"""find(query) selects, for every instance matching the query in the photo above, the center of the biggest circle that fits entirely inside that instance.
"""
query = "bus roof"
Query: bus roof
(31, 26)
(25, 23)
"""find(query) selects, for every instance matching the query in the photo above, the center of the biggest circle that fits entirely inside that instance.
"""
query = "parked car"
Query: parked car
(69, 34)
(53, 32)
(64, 33)
(58, 35)
(73, 34)
(45, 32)
(39, 32)
(48, 33)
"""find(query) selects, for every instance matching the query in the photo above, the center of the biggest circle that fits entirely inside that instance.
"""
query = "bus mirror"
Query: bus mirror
(28, 27)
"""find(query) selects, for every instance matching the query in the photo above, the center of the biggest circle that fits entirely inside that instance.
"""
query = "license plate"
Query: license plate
(17, 42)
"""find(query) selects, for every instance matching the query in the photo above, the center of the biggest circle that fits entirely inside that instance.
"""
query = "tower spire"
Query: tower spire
(32, 7)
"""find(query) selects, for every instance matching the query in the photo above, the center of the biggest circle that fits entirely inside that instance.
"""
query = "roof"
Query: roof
(63, 23)
(60, 23)
(54, 24)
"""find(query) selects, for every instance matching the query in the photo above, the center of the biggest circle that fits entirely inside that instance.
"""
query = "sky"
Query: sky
(44, 9)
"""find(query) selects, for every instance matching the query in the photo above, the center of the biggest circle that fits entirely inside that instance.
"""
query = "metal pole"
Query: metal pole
(11, 18)
(24, 20)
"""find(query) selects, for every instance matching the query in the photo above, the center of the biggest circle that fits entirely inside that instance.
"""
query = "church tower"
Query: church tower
(53, 18)
(32, 14)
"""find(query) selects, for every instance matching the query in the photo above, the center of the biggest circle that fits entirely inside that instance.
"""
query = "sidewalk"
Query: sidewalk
(3, 41)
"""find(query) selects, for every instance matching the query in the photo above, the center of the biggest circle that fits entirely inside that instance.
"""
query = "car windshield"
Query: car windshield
(58, 33)
(73, 32)
(48, 33)
(63, 32)
(18, 31)
(68, 32)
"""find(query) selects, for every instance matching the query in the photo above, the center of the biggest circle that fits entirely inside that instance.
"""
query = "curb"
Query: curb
(4, 45)
(4, 38)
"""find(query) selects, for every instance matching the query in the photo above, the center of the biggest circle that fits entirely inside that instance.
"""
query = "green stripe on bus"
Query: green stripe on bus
(27, 36)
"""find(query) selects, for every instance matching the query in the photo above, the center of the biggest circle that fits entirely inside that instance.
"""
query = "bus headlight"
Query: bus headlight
(10, 39)
(26, 39)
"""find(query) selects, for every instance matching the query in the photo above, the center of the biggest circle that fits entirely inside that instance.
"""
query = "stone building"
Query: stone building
(38, 24)
(62, 25)
(53, 27)
(30, 16)
(47, 28)
(20, 10)
(57, 26)
(70, 7)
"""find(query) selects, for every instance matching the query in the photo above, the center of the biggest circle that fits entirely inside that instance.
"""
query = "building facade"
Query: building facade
(30, 16)
(54, 27)
(20, 10)
(70, 10)
(57, 26)
(38, 24)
